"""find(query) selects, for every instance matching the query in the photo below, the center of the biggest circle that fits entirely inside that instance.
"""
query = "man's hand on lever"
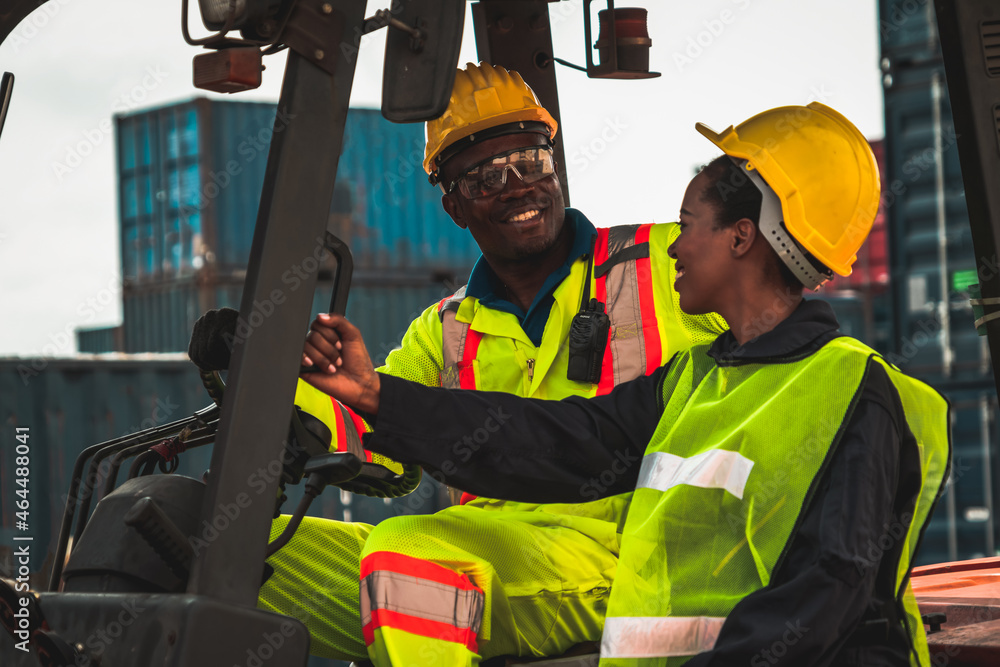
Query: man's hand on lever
(342, 368)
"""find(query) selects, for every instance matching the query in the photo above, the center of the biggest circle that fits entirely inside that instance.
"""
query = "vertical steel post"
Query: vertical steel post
(516, 34)
(275, 312)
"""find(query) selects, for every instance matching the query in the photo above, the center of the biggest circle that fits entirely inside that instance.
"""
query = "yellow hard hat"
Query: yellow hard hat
(823, 172)
(484, 98)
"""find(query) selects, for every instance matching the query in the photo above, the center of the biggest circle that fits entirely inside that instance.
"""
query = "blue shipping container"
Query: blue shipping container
(98, 341)
(70, 404)
(190, 178)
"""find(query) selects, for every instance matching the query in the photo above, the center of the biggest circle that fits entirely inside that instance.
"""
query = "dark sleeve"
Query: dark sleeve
(829, 579)
(498, 445)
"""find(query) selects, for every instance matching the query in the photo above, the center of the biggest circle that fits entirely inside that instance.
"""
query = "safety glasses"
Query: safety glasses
(490, 176)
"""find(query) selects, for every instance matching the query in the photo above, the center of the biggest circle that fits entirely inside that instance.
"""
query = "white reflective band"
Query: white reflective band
(658, 637)
(714, 469)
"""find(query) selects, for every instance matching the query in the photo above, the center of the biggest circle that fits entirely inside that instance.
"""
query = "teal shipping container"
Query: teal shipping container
(190, 178)
(96, 341)
(64, 405)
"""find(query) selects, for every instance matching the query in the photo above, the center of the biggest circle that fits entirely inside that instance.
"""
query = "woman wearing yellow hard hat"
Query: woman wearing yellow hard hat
(783, 474)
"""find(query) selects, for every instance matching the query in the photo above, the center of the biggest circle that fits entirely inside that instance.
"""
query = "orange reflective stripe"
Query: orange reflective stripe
(650, 327)
(359, 426)
(420, 597)
(418, 626)
(341, 434)
(607, 382)
(415, 567)
(467, 369)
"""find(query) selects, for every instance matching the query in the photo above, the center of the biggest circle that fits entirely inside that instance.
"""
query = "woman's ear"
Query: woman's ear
(744, 233)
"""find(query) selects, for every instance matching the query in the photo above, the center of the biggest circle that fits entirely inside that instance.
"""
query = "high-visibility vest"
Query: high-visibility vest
(645, 317)
(630, 276)
(623, 279)
(723, 482)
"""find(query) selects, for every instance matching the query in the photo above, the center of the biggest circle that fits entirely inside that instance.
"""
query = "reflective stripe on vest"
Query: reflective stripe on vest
(715, 469)
(419, 597)
(657, 636)
(625, 286)
(731, 529)
(627, 290)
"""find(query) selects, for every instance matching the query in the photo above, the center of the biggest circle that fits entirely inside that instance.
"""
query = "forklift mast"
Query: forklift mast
(211, 618)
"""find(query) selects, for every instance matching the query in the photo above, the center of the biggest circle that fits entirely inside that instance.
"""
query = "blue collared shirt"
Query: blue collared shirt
(484, 283)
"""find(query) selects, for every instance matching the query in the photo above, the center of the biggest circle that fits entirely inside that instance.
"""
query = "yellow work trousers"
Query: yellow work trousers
(544, 571)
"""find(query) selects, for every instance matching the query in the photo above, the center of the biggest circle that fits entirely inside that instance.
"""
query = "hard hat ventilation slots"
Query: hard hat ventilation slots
(772, 227)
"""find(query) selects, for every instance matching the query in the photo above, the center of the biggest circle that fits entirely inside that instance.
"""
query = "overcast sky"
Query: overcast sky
(630, 145)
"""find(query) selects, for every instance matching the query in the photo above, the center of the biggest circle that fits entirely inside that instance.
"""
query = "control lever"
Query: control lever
(161, 533)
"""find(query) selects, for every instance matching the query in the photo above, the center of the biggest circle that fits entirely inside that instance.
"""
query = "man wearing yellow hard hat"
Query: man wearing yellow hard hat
(783, 474)
(554, 308)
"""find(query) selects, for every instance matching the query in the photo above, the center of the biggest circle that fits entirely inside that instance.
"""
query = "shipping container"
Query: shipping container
(395, 217)
(97, 341)
(160, 318)
(190, 178)
(69, 404)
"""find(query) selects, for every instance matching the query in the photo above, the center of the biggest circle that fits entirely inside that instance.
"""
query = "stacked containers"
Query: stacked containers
(70, 404)
(190, 179)
(932, 263)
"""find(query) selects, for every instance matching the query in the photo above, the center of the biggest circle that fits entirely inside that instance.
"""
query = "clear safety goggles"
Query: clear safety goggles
(490, 176)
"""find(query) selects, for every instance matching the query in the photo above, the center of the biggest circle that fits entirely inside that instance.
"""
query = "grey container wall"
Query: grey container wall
(159, 318)
(190, 178)
(382, 312)
(70, 404)
(95, 341)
